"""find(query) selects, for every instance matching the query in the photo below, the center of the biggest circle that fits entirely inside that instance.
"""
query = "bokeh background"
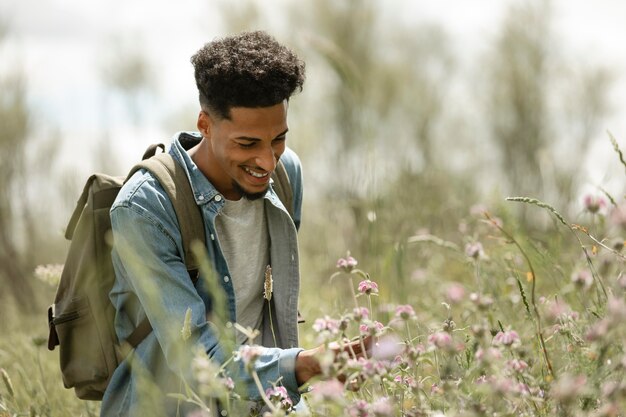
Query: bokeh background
(415, 114)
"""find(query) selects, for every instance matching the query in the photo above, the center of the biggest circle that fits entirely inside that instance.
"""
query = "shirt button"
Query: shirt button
(218, 198)
(226, 279)
(212, 236)
(200, 197)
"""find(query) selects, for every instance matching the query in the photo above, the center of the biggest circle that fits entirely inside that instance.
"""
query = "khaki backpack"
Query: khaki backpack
(81, 320)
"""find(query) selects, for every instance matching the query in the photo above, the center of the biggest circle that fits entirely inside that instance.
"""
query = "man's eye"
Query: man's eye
(246, 144)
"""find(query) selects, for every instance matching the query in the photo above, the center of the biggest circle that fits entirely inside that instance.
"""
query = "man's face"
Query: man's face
(244, 150)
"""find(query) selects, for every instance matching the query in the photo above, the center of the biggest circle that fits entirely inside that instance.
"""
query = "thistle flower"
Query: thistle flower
(361, 313)
(593, 204)
(347, 264)
(582, 279)
(268, 287)
(372, 328)
(455, 292)
(508, 338)
(326, 324)
(474, 250)
(279, 397)
(368, 287)
(441, 340)
(186, 330)
(405, 312)
(248, 354)
(330, 390)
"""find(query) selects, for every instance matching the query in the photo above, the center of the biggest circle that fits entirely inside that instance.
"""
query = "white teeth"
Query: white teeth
(255, 174)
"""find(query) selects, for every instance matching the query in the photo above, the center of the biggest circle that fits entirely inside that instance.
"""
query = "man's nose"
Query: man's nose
(266, 159)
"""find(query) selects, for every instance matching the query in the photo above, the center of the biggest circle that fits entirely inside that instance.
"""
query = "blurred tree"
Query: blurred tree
(127, 75)
(532, 123)
(14, 140)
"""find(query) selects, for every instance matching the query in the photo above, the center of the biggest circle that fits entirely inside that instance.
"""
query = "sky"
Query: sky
(61, 46)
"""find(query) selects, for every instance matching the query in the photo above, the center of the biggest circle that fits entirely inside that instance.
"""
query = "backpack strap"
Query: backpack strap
(282, 187)
(174, 181)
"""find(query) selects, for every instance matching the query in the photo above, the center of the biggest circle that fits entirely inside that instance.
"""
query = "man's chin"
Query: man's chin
(249, 195)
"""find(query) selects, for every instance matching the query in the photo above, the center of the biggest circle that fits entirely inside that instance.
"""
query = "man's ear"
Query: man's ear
(204, 124)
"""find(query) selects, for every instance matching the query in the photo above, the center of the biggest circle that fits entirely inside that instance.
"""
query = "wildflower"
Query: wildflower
(405, 312)
(279, 396)
(618, 216)
(248, 354)
(559, 312)
(387, 348)
(483, 302)
(372, 328)
(327, 390)
(347, 264)
(582, 279)
(508, 338)
(186, 330)
(621, 281)
(383, 407)
(517, 365)
(358, 408)
(269, 283)
(368, 287)
(455, 292)
(569, 387)
(593, 204)
(326, 324)
(616, 308)
(361, 313)
(408, 381)
(440, 340)
(50, 273)
(474, 250)
(488, 355)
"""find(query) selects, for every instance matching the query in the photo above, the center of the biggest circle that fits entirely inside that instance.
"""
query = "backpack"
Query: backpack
(81, 320)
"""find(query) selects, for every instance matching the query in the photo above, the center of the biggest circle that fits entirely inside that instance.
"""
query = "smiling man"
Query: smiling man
(244, 83)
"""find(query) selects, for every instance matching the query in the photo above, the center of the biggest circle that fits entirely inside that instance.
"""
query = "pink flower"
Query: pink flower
(383, 407)
(618, 216)
(487, 355)
(327, 390)
(508, 338)
(455, 292)
(474, 250)
(371, 327)
(359, 409)
(279, 396)
(326, 324)
(405, 312)
(388, 347)
(582, 278)
(361, 313)
(248, 354)
(347, 264)
(517, 365)
(569, 387)
(368, 287)
(593, 204)
(440, 340)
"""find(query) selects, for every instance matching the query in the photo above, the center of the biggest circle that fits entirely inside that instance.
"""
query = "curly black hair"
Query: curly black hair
(250, 69)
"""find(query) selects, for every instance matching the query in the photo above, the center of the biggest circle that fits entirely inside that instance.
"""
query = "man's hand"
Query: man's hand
(308, 366)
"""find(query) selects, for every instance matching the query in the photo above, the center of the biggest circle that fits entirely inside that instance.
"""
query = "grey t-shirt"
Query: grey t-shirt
(244, 240)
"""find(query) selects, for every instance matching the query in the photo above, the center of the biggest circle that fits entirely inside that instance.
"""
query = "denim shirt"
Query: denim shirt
(151, 280)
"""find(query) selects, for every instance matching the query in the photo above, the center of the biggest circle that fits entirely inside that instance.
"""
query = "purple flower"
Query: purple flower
(569, 387)
(455, 292)
(279, 396)
(517, 365)
(248, 354)
(618, 216)
(593, 204)
(582, 279)
(326, 324)
(359, 409)
(474, 250)
(383, 407)
(347, 264)
(361, 313)
(387, 348)
(327, 390)
(372, 328)
(441, 340)
(487, 355)
(405, 312)
(368, 287)
(508, 338)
